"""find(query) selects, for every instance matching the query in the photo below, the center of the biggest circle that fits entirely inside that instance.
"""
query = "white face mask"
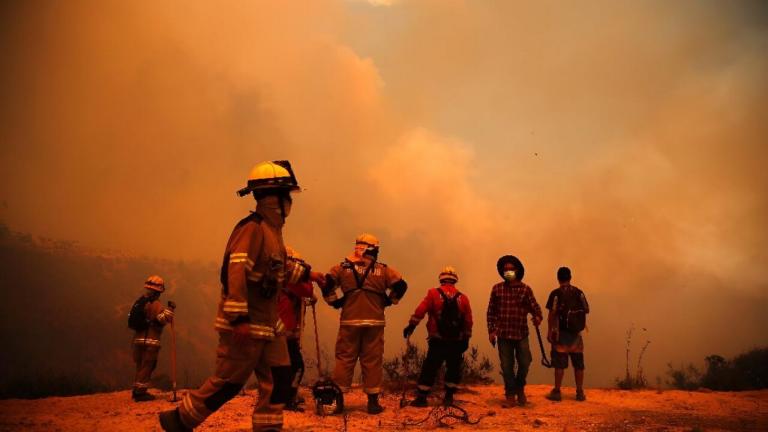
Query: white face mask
(509, 275)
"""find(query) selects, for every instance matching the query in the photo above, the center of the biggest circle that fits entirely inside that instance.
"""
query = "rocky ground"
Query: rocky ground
(605, 410)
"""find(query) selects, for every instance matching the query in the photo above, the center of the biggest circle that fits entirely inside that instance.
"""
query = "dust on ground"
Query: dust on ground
(605, 410)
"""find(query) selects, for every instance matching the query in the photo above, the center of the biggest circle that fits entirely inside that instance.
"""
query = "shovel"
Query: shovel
(172, 305)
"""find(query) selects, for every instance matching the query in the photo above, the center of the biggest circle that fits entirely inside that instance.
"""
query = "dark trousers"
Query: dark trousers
(511, 351)
(297, 367)
(450, 352)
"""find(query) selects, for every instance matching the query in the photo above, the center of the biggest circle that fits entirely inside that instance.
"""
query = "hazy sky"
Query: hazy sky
(626, 140)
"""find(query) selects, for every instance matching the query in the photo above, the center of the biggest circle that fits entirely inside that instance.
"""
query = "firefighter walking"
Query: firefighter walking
(147, 318)
(449, 328)
(254, 270)
(362, 288)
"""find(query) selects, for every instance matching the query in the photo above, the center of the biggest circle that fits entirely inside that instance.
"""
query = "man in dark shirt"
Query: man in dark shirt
(511, 302)
(568, 308)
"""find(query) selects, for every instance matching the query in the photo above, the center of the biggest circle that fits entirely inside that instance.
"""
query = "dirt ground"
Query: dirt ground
(605, 410)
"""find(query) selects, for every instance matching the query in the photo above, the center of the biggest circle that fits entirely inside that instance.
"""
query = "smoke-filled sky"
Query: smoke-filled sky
(626, 140)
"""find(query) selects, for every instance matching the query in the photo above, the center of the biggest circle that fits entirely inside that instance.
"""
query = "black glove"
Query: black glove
(408, 330)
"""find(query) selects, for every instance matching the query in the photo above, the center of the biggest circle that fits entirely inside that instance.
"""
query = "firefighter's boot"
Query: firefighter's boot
(142, 396)
(373, 404)
(170, 421)
(421, 400)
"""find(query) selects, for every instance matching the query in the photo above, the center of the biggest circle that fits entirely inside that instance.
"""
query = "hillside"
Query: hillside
(63, 317)
(605, 410)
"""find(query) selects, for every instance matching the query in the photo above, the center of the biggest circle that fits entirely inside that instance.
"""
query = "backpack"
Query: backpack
(572, 312)
(137, 317)
(450, 323)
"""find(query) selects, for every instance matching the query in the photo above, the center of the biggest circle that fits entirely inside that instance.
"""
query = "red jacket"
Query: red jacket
(433, 304)
(289, 306)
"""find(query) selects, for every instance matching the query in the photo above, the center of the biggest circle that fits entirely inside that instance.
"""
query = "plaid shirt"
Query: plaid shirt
(508, 308)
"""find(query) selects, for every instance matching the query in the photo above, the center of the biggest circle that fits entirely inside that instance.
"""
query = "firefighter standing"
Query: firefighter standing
(147, 318)
(253, 271)
(449, 327)
(362, 287)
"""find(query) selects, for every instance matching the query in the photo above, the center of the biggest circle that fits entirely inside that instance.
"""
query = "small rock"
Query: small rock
(538, 422)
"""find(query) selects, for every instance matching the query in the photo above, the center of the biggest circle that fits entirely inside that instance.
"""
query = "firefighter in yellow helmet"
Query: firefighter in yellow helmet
(362, 287)
(147, 319)
(254, 269)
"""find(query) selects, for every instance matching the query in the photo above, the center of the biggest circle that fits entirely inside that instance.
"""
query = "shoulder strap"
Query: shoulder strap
(445, 296)
(359, 281)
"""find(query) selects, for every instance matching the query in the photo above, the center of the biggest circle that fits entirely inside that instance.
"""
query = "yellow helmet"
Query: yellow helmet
(449, 273)
(155, 283)
(271, 175)
(367, 239)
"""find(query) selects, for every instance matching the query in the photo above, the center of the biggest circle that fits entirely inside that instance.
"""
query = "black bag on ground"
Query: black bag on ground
(450, 323)
(137, 317)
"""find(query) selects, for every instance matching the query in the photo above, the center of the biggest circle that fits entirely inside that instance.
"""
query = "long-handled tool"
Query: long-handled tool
(172, 305)
(544, 361)
(326, 392)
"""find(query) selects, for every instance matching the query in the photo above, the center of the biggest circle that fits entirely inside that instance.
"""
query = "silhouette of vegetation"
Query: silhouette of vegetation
(685, 377)
(636, 380)
(746, 371)
(477, 368)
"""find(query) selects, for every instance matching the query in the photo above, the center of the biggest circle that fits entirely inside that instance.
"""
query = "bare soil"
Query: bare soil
(605, 410)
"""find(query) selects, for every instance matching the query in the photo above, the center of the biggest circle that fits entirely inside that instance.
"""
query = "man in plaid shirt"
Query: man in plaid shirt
(511, 302)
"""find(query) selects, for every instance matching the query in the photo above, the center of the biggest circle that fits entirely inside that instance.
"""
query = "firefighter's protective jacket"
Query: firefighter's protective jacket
(158, 316)
(254, 270)
(363, 305)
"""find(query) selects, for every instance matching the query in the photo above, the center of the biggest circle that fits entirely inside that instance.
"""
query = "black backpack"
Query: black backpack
(572, 311)
(450, 323)
(137, 317)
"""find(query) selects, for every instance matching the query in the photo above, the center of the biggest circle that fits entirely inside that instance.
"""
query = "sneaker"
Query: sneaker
(554, 395)
(419, 402)
(580, 396)
(170, 421)
(143, 397)
(509, 401)
(521, 399)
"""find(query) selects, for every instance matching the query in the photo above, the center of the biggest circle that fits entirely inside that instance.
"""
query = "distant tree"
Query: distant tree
(747, 371)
